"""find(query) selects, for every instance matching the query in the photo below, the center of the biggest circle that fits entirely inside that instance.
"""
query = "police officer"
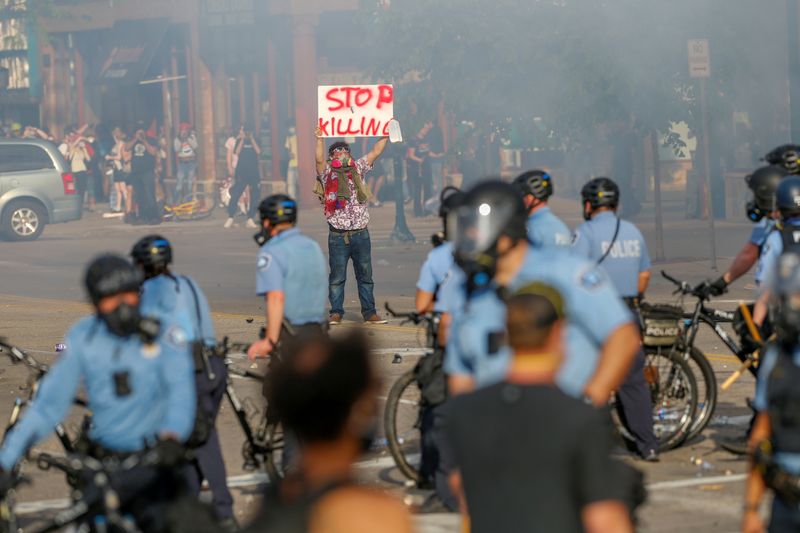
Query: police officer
(545, 229)
(137, 377)
(619, 248)
(761, 211)
(493, 253)
(494, 256)
(775, 437)
(290, 274)
(785, 239)
(178, 299)
(435, 273)
(436, 268)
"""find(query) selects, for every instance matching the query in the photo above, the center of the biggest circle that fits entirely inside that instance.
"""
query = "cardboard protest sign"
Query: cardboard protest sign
(355, 110)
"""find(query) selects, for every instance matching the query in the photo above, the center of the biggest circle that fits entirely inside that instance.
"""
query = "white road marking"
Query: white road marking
(695, 481)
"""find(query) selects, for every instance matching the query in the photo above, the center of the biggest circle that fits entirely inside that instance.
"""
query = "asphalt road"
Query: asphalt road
(695, 488)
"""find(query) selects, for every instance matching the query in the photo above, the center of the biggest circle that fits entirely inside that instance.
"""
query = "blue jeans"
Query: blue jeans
(186, 174)
(342, 247)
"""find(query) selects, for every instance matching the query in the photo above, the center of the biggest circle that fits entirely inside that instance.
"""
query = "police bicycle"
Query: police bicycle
(37, 371)
(96, 503)
(684, 347)
(263, 445)
(405, 404)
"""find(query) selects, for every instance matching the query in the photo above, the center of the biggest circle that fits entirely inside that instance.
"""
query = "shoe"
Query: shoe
(335, 319)
(375, 319)
(250, 223)
(228, 223)
(651, 457)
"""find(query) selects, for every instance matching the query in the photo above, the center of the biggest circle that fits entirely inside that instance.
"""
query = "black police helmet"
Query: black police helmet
(450, 198)
(601, 192)
(787, 156)
(278, 209)
(489, 210)
(787, 197)
(152, 252)
(537, 183)
(111, 274)
(764, 182)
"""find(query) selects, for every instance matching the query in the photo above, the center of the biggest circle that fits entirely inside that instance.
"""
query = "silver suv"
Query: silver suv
(36, 188)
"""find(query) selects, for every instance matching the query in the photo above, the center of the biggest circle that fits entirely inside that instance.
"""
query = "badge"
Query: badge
(176, 337)
(263, 262)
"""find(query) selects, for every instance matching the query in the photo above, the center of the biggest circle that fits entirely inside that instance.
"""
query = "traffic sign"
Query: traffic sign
(699, 58)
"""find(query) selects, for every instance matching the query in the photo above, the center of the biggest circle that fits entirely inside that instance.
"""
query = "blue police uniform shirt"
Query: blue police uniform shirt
(293, 263)
(435, 273)
(628, 256)
(593, 308)
(787, 461)
(161, 399)
(546, 230)
(768, 260)
(759, 237)
(179, 300)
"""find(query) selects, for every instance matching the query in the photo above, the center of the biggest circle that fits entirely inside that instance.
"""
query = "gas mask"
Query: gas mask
(262, 237)
(123, 321)
(479, 270)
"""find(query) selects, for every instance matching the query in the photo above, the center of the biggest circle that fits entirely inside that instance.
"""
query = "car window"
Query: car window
(22, 157)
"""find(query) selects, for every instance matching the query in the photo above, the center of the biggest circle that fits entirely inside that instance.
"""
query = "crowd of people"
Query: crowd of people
(538, 330)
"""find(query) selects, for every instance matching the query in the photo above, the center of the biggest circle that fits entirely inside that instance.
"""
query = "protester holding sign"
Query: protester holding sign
(344, 194)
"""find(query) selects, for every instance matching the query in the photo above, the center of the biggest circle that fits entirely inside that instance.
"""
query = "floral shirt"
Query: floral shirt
(354, 216)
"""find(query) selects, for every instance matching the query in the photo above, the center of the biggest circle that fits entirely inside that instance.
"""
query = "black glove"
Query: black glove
(170, 453)
(717, 287)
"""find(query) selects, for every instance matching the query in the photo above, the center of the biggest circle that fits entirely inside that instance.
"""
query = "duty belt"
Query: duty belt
(632, 302)
(785, 485)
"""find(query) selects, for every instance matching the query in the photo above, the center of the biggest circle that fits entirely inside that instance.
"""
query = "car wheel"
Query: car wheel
(23, 221)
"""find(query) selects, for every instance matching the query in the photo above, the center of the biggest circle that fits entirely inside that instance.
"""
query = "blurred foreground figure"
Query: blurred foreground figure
(775, 437)
(325, 393)
(550, 467)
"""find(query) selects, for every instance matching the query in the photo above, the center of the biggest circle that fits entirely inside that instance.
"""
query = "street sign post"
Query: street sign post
(700, 68)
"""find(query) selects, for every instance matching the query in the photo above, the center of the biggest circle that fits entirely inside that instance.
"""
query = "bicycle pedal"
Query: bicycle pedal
(397, 359)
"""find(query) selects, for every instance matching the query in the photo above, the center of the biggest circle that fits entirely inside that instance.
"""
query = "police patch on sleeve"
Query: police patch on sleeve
(264, 260)
(176, 337)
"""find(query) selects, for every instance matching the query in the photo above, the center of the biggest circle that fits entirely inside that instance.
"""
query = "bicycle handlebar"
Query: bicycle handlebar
(17, 355)
(412, 316)
(684, 287)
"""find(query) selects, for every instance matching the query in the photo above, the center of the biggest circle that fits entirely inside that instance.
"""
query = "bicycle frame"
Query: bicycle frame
(712, 318)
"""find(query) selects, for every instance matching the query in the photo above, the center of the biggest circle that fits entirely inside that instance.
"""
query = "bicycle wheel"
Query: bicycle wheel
(673, 391)
(274, 456)
(199, 205)
(401, 420)
(706, 384)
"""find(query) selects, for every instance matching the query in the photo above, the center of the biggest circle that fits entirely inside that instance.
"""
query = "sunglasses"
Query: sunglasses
(340, 150)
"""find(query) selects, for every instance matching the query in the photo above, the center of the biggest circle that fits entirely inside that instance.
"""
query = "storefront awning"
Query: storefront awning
(128, 51)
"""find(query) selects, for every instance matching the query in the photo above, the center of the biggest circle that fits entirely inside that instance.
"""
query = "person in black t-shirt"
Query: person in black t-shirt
(419, 179)
(143, 178)
(529, 457)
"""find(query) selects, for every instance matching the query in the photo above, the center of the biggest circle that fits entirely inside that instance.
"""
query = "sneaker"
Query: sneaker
(228, 223)
(250, 223)
(335, 319)
(651, 457)
(375, 319)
